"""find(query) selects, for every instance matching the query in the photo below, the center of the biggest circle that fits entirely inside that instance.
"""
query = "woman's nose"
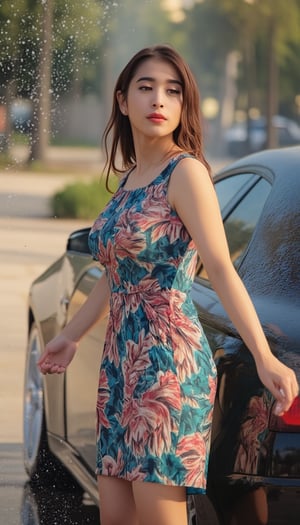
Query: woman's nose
(157, 104)
(157, 99)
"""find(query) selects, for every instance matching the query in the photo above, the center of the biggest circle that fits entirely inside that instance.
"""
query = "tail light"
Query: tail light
(289, 421)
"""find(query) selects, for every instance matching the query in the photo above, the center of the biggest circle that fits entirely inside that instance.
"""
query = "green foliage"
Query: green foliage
(210, 37)
(132, 25)
(214, 28)
(92, 40)
(81, 200)
(76, 44)
(77, 37)
(19, 43)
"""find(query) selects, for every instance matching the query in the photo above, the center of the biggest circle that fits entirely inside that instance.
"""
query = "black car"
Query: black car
(254, 468)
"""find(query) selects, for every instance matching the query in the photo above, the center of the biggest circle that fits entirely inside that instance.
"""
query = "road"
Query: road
(29, 241)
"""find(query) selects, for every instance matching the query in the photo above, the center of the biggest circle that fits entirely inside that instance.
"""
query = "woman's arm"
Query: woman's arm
(95, 308)
(192, 195)
(60, 351)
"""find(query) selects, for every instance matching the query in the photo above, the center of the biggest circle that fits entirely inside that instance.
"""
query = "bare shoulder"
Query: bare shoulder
(189, 168)
(189, 175)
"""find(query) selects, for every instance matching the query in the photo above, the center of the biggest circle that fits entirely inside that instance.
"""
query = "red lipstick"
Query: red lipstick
(156, 117)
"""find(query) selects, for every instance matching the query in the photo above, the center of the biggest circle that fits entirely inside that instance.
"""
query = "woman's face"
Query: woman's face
(154, 99)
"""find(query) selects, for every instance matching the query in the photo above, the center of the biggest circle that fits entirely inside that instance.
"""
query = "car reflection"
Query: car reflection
(47, 505)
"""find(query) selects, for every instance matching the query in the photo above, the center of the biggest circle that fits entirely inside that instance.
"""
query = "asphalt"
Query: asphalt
(30, 240)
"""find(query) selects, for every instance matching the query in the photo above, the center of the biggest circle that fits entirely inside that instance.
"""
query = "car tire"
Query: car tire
(40, 464)
(191, 510)
(37, 456)
(29, 510)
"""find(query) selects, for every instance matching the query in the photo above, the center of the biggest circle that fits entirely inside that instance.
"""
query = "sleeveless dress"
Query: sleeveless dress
(157, 378)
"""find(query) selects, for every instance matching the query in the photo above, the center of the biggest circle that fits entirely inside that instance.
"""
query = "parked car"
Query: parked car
(255, 457)
(240, 139)
(21, 115)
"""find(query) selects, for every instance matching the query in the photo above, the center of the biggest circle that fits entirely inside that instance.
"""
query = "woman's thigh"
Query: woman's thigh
(117, 506)
(159, 504)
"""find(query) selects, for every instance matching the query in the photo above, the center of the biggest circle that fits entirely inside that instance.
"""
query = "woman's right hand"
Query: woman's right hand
(60, 351)
(58, 354)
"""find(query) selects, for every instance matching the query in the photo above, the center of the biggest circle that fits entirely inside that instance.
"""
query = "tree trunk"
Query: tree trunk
(10, 94)
(42, 114)
(250, 63)
(272, 91)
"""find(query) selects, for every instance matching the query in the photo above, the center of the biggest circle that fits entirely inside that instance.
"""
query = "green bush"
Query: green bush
(81, 200)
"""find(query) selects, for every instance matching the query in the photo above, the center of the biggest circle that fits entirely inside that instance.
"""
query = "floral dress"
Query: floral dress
(157, 377)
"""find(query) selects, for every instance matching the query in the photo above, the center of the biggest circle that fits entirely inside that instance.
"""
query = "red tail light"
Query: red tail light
(289, 421)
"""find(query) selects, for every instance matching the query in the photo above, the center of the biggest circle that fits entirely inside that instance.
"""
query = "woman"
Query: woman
(157, 376)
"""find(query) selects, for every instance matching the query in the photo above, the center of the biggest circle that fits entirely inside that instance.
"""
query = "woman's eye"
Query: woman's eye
(145, 88)
(172, 91)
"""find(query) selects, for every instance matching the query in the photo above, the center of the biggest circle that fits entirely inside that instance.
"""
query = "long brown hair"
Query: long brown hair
(188, 134)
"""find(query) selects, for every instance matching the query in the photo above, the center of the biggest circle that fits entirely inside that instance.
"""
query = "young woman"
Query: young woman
(157, 376)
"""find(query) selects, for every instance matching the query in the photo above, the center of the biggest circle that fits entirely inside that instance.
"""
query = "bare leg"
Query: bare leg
(117, 506)
(160, 504)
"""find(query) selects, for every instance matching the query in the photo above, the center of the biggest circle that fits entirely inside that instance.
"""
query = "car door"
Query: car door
(241, 197)
(82, 377)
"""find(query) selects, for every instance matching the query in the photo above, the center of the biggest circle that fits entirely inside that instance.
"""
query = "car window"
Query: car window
(227, 188)
(239, 225)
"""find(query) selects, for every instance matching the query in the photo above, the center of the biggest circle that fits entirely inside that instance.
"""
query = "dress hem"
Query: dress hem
(189, 490)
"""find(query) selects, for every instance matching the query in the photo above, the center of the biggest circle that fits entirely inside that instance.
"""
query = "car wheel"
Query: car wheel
(191, 511)
(40, 464)
(34, 435)
(29, 510)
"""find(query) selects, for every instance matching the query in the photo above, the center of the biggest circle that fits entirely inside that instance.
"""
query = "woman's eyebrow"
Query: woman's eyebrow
(151, 79)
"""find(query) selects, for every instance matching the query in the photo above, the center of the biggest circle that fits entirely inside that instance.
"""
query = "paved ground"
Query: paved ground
(29, 241)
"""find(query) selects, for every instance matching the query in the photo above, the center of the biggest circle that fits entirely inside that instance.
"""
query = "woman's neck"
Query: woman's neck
(152, 159)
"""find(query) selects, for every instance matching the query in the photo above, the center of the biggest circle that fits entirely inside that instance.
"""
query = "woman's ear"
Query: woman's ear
(122, 102)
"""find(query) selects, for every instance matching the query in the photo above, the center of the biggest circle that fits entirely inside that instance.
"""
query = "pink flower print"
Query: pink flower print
(116, 312)
(148, 419)
(158, 217)
(102, 399)
(166, 389)
(154, 302)
(185, 335)
(110, 348)
(212, 382)
(191, 267)
(111, 467)
(98, 224)
(128, 243)
(107, 257)
(132, 297)
(255, 422)
(192, 451)
(135, 419)
(136, 362)
(136, 474)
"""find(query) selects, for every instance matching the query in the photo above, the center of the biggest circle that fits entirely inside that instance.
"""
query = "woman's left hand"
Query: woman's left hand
(280, 380)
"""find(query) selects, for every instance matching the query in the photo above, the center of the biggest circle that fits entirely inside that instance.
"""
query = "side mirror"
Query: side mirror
(78, 241)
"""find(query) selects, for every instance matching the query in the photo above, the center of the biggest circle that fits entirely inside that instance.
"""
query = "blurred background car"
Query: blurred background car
(248, 137)
(254, 470)
(21, 115)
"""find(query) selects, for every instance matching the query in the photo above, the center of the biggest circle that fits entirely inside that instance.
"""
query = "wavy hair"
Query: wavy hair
(188, 134)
